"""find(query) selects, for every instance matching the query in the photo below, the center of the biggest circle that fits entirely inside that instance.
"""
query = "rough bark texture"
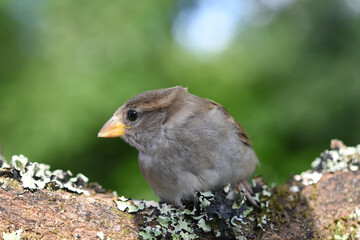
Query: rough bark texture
(45, 214)
(319, 211)
(327, 209)
(314, 212)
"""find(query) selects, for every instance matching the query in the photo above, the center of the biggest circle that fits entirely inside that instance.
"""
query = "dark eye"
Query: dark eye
(132, 115)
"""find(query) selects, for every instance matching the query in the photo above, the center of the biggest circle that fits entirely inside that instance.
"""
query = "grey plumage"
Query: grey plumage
(186, 143)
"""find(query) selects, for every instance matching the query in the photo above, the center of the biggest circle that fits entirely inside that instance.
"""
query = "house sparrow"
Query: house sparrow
(186, 143)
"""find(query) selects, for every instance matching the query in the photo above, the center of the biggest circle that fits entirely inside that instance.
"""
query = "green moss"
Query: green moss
(28, 214)
(346, 227)
(277, 209)
(286, 205)
(106, 223)
(51, 199)
(275, 205)
(337, 230)
(314, 194)
(32, 236)
(282, 191)
(11, 183)
(306, 214)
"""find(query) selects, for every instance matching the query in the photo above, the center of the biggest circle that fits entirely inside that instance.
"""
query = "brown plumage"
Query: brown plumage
(186, 143)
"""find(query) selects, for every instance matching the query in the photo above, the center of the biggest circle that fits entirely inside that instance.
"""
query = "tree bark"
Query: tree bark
(327, 209)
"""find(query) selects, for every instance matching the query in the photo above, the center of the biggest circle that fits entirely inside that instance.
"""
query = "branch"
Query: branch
(318, 203)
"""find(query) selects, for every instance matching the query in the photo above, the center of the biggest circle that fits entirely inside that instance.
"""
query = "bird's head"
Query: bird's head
(140, 121)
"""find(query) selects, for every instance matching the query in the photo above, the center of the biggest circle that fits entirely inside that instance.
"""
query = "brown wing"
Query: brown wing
(240, 131)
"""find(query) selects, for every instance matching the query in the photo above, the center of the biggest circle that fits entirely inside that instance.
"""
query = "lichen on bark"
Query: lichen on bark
(322, 202)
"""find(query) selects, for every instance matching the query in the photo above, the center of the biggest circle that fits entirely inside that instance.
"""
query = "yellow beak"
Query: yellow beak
(113, 128)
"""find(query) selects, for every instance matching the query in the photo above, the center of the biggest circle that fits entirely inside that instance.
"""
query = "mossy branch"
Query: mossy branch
(320, 203)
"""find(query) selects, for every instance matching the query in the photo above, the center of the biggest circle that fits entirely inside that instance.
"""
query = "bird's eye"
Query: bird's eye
(132, 115)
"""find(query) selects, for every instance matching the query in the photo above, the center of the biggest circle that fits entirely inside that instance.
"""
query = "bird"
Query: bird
(186, 143)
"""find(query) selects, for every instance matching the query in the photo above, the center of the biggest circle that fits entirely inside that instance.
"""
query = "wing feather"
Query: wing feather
(240, 131)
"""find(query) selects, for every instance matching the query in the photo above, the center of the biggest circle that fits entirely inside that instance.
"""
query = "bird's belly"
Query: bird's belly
(179, 181)
(170, 184)
(159, 177)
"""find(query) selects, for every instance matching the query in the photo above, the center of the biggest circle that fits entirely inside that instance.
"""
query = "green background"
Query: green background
(66, 66)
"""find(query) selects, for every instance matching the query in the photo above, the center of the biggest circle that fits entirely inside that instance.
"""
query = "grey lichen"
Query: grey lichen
(209, 213)
(35, 175)
(101, 236)
(339, 158)
(129, 205)
(15, 235)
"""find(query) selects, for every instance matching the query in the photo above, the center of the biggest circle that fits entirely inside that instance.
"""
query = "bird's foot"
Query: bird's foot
(246, 188)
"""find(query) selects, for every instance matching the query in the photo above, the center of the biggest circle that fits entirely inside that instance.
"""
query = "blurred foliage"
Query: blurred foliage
(66, 66)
